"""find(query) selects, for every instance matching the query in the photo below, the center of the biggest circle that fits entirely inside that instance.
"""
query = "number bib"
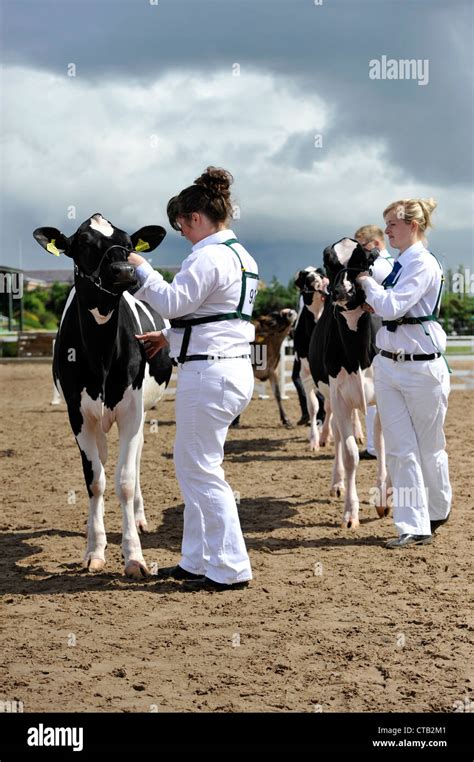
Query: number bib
(249, 294)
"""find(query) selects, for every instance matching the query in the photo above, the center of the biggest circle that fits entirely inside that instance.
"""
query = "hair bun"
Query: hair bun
(216, 182)
(428, 203)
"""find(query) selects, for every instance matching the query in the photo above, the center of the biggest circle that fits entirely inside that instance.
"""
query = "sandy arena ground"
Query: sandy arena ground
(371, 630)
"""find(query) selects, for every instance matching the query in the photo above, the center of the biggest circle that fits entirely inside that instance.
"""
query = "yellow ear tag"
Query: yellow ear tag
(142, 245)
(52, 248)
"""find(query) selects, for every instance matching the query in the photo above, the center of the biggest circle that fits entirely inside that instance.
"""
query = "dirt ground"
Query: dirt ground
(332, 621)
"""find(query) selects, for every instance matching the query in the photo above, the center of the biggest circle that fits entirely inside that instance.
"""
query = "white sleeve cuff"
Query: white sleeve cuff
(371, 287)
(143, 271)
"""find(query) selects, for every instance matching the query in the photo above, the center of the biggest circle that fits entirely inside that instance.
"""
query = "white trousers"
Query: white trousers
(369, 428)
(209, 396)
(412, 399)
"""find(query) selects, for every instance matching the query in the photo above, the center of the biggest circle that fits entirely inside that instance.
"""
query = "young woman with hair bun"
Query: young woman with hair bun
(209, 304)
(411, 376)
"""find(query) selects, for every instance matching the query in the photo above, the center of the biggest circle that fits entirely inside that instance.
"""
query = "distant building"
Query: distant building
(44, 278)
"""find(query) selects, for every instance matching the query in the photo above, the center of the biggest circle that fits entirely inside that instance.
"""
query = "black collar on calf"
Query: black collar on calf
(94, 277)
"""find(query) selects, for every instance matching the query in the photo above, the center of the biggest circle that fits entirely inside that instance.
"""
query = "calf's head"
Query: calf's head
(344, 260)
(301, 275)
(276, 322)
(314, 289)
(100, 252)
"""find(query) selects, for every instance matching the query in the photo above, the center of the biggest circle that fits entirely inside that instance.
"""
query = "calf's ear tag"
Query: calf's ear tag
(142, 245)
(52, 248)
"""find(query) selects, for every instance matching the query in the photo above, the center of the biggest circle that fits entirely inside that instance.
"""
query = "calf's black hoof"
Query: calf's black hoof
(303, 420)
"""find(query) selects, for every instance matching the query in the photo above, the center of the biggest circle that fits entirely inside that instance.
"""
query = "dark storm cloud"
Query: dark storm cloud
(425, 131)
(428, 130)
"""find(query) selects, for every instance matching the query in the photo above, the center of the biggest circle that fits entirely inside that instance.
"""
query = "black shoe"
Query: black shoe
(366, 455)
(437, 523)
(303, 420)
(176, 572)
(204, 583)
(409, 539)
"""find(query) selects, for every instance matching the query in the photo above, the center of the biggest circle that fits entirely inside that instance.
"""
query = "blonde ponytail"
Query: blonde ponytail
(417, 210)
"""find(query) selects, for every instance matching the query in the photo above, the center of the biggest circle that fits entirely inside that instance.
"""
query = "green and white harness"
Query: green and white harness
(244, 309)
(392, 325)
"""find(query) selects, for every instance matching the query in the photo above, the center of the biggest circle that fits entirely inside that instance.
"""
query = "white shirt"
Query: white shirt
(382, 266)
(414, 294)
(209, 283)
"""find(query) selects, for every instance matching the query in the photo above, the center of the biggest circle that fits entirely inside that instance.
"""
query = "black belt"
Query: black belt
(212, 358)
(401, 357)
(392, 325)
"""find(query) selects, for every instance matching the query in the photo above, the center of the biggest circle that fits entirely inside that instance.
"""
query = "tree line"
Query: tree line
(43, 306)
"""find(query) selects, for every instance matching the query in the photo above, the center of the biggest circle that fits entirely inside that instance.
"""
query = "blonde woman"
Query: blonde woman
(411, 376)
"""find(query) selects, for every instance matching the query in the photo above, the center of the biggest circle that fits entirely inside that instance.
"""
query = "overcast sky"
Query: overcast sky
(155, 99)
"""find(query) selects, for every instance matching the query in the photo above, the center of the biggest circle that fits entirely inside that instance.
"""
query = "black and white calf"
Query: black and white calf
(102, 372)
(341, 353)
(313, 286)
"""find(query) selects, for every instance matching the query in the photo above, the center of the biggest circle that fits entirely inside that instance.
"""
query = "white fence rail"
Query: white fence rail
(287, 356)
